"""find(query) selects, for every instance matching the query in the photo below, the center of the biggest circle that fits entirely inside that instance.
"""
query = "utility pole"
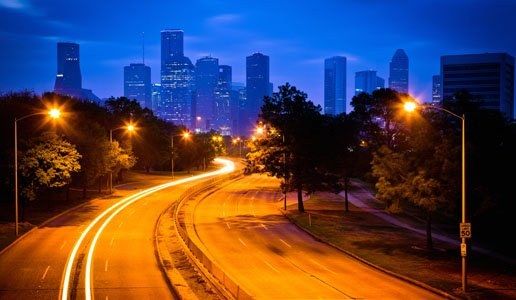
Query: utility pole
(284, 173)
(16, 174)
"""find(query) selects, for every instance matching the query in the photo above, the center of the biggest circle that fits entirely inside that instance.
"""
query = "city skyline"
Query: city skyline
(294, 50)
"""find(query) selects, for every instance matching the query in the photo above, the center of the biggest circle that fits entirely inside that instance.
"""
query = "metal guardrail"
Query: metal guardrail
(213, 268)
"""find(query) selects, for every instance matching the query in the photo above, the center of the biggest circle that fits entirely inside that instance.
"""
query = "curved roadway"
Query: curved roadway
(242, 229)
(121, 246)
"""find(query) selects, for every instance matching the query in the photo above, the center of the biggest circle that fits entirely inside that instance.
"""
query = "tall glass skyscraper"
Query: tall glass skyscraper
(258, 86)
(368, 82)
(177, 79)
(156, 96)
(206, 80)
(399, 72)
(68, 67)
(68, 78)
(335, 85)
(171, 43)
(488, 76)
(436, 89)
(137, 84)
(223, 100)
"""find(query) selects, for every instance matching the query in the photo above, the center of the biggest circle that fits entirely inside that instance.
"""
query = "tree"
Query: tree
(49, 163)
(423, 171)
(291, 145)
(378, 115)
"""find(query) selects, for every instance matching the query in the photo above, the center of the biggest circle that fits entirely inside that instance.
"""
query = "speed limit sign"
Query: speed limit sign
(465, 230)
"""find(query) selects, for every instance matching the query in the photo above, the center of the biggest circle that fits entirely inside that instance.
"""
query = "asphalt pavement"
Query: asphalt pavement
(243, 231)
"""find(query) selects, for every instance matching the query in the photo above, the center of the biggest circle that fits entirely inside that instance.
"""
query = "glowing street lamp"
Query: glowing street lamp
(238, 141)
(260, 130)
(186, 136)
(130, 128)
(411, 106)
(53, 113)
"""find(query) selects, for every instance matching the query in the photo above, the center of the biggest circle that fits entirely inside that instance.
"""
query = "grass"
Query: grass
(402, 251)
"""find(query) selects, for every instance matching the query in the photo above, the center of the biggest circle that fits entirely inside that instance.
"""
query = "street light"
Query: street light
(53, 113)
(186, 136)
(130, 127)
(238, 141)
(410, 106)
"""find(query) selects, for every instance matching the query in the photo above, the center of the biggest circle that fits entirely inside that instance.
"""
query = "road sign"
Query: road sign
(463, 249)
(465, 230)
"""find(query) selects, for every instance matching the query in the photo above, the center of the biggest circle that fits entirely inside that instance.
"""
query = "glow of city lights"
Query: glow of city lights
(186, 135)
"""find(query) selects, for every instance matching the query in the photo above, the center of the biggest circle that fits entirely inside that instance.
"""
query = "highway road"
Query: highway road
(243, 231)
(103, 250)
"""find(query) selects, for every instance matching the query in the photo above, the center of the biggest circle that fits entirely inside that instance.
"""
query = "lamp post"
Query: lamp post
(410, 107)
(130, 128)
(185, 135)
(53, 113)
(238, 141)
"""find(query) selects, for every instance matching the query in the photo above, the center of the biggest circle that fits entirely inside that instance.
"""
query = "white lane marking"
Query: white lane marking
(62, 245)
(242, 242)
(285, 243)
(270, 266)
(107, 298)
(106, 265)
(229, 167)
(45, 274)
(111, 242)
(264, 227)
(120, 225)
(227, 224)
(64, 291)
(322, 266)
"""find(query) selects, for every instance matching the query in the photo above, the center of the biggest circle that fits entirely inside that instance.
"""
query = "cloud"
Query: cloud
(14, 4)
(223, 19)
(23, 6)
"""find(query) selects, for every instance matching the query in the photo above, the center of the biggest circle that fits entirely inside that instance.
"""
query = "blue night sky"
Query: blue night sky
(297, 35)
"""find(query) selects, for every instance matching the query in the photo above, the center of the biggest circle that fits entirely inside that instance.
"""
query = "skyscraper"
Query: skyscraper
(137, 84)
(206, 80)
(223, 100)
(399, 72)
(156, 96)
(237, 106)
(488, 76)
(177, 79)
(171, 43)
(68, 67)
(367, 82)
(335, 85)
(257, 86)
(68, 78)
(436, 89)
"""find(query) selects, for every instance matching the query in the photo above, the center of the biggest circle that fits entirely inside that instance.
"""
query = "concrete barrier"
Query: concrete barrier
(226, 285)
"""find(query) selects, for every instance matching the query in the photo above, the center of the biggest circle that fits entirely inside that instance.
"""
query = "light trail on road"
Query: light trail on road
(228, 167)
